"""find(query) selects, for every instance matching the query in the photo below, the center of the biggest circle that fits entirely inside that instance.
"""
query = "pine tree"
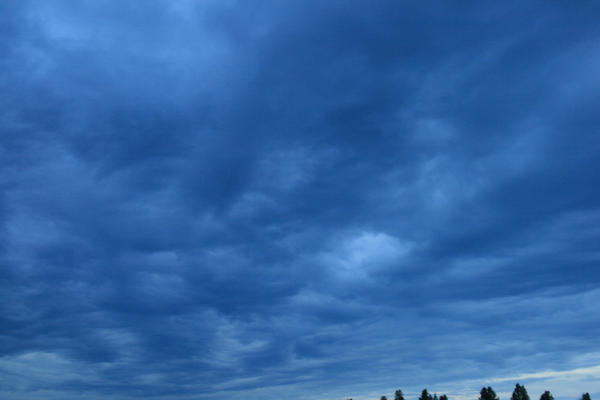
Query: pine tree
(425, 395)
(398, 395)
(383, 398)
(546, 396)
(586, 396)
(520, 393)
(443, 397)
(487, 393)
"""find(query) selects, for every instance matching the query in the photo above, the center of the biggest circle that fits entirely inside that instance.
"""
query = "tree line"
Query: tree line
(486, 393)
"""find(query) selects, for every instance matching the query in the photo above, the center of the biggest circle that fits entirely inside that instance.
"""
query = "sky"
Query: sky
(312, 199)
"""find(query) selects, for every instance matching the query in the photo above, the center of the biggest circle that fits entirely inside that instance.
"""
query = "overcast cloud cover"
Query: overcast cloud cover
(307, 199)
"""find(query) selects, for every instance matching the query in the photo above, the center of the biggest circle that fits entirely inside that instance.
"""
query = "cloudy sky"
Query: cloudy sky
(308, 199)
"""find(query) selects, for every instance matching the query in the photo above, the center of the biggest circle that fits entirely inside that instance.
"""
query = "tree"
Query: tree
(435, 397)
(383, 398)
(586, 396)
(520, 393)
(398, 395)
(443, 397)
(487, 393)
(425, 395)
(546, 396)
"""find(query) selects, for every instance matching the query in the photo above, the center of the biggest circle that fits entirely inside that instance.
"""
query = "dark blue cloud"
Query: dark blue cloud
(332, 200)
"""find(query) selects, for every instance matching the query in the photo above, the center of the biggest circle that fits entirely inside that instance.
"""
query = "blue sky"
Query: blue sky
(322, 200)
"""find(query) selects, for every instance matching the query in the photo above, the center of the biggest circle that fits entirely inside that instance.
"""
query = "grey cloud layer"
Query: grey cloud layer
(330, 199)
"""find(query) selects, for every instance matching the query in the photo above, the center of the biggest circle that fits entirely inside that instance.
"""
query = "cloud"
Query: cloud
(360, 256)
(324, 199)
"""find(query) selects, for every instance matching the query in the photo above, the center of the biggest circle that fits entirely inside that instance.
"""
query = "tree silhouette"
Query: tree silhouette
(425, 395)
(383, 398)
(586, 396)
(520, 393)
(398, 395)
(546, 396)
(487, 393)
(443, 397)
